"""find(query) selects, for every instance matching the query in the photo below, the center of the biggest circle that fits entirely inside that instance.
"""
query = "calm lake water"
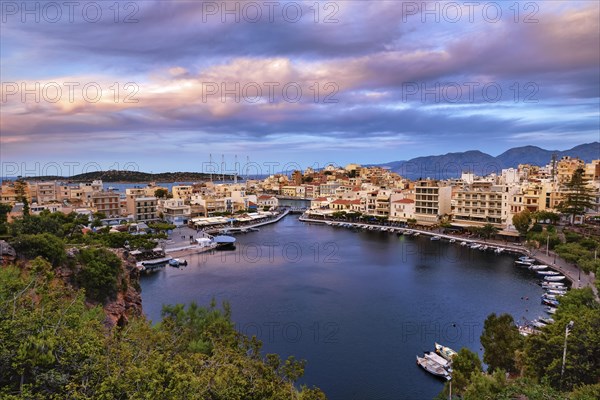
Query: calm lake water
(358, 306)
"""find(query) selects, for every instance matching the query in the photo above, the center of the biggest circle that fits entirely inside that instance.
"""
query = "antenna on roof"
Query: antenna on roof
(235, 170)
(210, 163)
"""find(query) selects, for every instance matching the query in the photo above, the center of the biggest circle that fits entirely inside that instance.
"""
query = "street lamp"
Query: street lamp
(567, 330)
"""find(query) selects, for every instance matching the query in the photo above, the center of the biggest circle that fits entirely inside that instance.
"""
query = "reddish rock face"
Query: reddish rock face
(128, 303)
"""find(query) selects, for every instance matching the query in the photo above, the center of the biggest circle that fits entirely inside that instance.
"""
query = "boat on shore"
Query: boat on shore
(433, 368)
(445, 352)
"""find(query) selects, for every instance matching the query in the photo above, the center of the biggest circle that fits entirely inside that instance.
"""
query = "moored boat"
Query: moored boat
(555, 278)
(433, 356)
(538, 267)
(433, 368)
(435, 238)
(445, 352)
(548, 273)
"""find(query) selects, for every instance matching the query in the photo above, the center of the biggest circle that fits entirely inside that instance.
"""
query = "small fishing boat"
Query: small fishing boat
(463, 243)
(440, 360)
(527, 259)
(527, 330)
(550, 302)
(445, 352)
(555, 278)
(524, 264)
(550, 310)
(546, 321)
(538, 267)
(176, 262)
(552, 284)
(416, 234)
(433, 368)
(556, 292)
(433, 238)
(548, 273)
(538, 324)
(452, 240)
(499, 250)
(475, 246)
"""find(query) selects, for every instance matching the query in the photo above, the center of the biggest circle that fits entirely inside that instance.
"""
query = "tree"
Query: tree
(488, 230)
(161, 193)
(522, 221)
(20, 189)
(43, 245)
(464, 365)
(544, 353)
(579, 197)
(500, 340)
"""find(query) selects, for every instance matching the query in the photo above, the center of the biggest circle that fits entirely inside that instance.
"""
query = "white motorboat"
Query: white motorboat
(527, 259)
(555, 278)
(445, 352)
(548, 273)
(525, 264)
(463, 243)
(433, 368)
(538, 267)
(435, 238)
(452, 240)
(438, 359)
(550, 310)
(556, 292)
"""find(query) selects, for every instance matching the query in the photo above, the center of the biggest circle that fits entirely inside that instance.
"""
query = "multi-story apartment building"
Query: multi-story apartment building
(45, 192)
(566, 167)
(174, 211)
(182, 192)
(106, 203)
(432, 201)
(477, 204)
(145, 209)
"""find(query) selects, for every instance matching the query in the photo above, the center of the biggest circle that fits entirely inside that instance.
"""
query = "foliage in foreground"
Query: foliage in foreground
(54, 347)
(535, 362)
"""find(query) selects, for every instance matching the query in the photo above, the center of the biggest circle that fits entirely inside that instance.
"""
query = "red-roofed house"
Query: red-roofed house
(402, 210)
(319, 203)
(267, 201)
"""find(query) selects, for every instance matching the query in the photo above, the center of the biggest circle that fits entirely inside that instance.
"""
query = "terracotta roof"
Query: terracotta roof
(342, 201)
(265, 197)
(320, 199)
(404, 201)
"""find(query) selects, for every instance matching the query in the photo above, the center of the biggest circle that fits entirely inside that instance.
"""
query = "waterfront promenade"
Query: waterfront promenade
(182, 240)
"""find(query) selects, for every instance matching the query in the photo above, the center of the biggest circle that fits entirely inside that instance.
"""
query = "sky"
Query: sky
(212, 85)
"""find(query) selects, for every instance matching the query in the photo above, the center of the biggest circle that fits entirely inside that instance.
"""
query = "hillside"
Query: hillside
(451, 165)
(133, 177)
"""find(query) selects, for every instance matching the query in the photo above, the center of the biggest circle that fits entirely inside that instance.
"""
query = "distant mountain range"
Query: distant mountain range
(452, 164)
